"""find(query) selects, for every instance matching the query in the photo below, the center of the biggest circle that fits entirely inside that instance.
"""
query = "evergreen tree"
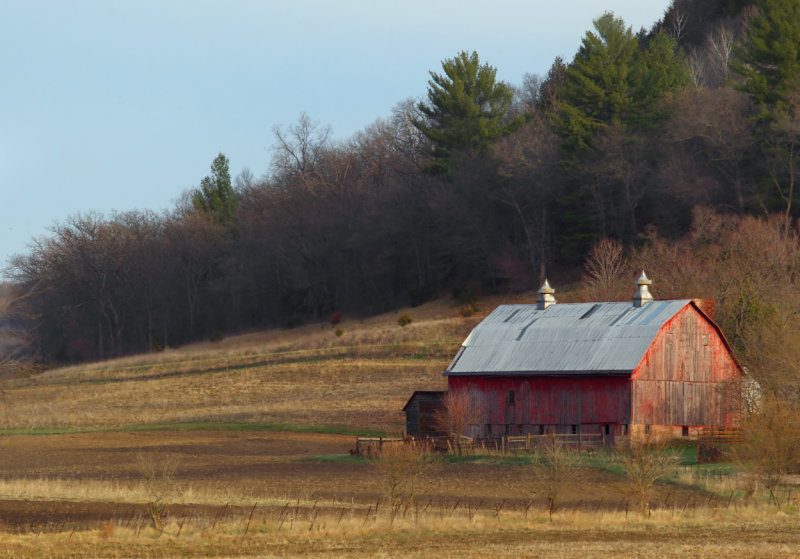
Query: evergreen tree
(612, 81)
(768, 64)
(466, 110)
(610, 102)
(768, 61)
(216, 196)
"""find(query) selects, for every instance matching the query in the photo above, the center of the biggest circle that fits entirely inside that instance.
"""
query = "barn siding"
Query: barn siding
(421, 413)
(686, 376)
(555, 403)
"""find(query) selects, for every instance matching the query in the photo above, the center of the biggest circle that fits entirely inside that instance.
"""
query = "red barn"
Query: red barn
(599, 368)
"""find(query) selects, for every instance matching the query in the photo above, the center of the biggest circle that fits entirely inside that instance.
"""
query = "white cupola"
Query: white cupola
(643, 295)
(546, 297)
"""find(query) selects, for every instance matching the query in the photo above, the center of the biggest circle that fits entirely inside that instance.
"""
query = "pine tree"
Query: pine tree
(216, 196)
(768, 61)
(613, 81)
(466, 110)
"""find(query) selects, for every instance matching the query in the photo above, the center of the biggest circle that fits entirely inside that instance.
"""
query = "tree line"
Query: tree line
(481, 186)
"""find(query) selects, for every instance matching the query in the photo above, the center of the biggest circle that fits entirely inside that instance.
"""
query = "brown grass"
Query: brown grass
(307, 376)
(255, 494)
(359, 533)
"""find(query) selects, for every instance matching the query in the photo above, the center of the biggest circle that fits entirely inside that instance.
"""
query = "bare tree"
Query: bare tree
(720, 45)
(158, 474)
(16, 337)
(555, 466)
(605, 268)
(645, 459)
(298, 150)
(676, 27)
(402, 464)
(697, 65)
(458, 411)
(771, 446)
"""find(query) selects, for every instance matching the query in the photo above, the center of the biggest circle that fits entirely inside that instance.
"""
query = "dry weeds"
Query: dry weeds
(307, 376)
(310, 531)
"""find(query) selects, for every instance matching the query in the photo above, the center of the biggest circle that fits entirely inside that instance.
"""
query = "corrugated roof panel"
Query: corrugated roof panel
(524, 339)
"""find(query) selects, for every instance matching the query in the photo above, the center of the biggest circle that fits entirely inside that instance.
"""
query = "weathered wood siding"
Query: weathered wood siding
(688, 376)
(420, 413)
(520, 405)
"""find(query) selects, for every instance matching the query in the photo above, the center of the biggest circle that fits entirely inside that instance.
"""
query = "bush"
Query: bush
(335, 318)
(405, 319)
(338, 332)
(291, 321)
(216, 336)
(468, 310)
(464, 295)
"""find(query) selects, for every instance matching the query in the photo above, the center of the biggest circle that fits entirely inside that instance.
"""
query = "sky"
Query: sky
(120, 105)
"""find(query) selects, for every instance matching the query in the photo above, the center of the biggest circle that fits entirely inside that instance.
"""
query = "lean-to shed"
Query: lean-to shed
(599, 368)
(420, 413)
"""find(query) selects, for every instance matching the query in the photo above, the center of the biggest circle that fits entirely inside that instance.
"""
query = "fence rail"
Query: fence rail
(371, 446)
(713, 443)
(576, 440)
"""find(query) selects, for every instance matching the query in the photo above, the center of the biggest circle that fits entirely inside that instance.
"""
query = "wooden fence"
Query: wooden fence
(371, 446)
(713, 443)
(580, 441)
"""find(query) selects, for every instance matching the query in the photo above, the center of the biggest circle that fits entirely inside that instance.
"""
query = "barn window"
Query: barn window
(541, 429)
(669, 338)
(647, 429)
(574, 429)
(685, 431)
(705, 339)
(607, 429)
(510, 397)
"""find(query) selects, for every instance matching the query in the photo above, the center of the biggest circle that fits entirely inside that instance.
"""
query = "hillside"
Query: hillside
(299, 378)
(239, 448)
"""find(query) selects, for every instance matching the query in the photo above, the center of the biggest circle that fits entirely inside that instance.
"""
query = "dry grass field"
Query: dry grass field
(241, 449)
(306, 376)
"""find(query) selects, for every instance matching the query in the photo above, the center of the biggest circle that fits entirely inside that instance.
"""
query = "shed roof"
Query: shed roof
(572, 338)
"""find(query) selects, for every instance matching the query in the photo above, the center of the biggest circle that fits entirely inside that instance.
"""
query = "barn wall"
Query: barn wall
(549, 404)
(420, 414)
(687, 376)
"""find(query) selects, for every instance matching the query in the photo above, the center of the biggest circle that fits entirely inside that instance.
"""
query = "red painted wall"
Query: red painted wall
(547, 401)
(688, 376)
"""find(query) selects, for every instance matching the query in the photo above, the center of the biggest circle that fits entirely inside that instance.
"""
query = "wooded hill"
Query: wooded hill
(670, 145)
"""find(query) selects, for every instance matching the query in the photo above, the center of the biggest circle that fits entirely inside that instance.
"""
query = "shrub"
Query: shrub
(468, 310)
(405, 319)
(335, 318)
(291, 321)
(338, 332)
(464, 295)
(216, 336)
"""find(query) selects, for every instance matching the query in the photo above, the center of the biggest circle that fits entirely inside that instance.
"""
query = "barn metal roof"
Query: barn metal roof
(571, 338)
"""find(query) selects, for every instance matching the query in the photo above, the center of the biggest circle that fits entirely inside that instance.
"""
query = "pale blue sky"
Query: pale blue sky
(121, 104)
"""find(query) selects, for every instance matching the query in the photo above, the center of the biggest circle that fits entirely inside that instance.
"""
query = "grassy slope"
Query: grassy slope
(303, 378)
